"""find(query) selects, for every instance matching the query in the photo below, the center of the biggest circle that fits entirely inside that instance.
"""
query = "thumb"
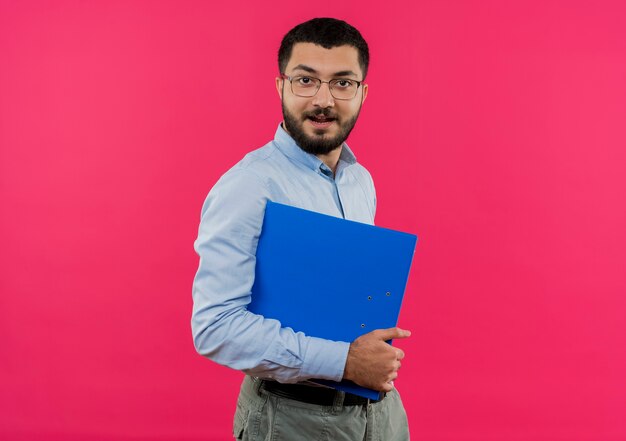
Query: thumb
(391, 333)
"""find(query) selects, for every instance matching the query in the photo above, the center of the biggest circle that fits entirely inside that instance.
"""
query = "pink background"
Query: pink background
(495, 130)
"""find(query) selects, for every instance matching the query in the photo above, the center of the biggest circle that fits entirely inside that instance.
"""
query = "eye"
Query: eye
(344, 84)
(305, 81)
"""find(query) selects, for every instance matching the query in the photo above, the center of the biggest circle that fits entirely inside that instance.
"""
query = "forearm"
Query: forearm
(257, 346)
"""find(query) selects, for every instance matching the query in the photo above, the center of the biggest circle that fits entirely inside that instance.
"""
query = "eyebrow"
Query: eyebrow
(341, 73)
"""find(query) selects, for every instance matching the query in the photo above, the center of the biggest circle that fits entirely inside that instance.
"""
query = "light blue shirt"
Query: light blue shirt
(232, 216)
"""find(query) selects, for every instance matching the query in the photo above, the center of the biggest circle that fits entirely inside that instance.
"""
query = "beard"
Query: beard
(318, 144)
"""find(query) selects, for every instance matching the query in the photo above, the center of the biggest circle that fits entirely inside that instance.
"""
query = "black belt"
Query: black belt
(321, 396)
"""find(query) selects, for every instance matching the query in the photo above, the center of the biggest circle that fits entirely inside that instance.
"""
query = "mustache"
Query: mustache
(326, 112)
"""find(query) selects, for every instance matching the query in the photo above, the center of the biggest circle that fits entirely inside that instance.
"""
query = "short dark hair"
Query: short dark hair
(325, 32)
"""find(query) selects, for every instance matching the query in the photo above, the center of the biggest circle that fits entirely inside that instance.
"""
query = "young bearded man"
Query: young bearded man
(323, 63)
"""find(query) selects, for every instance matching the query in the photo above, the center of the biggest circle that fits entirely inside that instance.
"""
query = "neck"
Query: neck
(331, 159)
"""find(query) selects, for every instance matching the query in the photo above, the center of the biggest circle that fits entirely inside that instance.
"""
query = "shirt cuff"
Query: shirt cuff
(325, 359)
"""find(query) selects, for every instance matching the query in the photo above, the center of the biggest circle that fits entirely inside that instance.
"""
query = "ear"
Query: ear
(279, 87)
(365, 88)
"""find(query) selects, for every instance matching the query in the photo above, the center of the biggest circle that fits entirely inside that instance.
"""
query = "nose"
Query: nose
(323, 97)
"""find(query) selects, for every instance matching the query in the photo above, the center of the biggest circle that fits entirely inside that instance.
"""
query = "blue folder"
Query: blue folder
(330, 278)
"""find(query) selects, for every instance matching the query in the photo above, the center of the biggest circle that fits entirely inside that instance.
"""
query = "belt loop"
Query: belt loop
(338, 401)
(258, 383)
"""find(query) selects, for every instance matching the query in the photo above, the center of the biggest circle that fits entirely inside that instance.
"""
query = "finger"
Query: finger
(387, 387)
(399, 354)
(391, 333)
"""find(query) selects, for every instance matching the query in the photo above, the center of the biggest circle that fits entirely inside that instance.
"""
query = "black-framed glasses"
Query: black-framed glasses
(306, 86)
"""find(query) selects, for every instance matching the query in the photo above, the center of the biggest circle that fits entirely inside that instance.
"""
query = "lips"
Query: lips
(321, 121)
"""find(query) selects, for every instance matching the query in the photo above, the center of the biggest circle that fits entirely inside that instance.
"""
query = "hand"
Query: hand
(372, 362)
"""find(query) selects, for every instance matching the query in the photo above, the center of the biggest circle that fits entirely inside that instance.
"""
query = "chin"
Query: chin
(322, 133)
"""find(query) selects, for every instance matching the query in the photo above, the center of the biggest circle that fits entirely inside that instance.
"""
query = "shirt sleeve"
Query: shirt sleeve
(222, 327)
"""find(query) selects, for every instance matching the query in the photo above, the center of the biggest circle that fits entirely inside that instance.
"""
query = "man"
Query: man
(322, 63)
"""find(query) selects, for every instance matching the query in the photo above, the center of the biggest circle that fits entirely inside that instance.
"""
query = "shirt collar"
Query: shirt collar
(289, 148)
